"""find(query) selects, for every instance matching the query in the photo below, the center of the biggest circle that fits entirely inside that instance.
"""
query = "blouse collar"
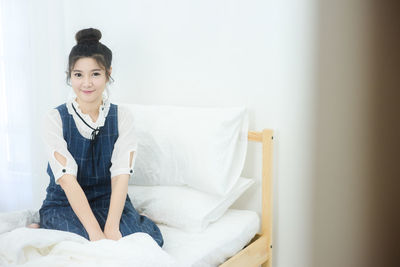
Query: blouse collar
(103, 112)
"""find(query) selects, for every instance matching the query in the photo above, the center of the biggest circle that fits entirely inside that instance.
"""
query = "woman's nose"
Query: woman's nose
(87, 82)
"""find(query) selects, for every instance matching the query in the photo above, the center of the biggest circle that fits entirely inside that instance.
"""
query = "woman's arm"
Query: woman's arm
(65, 169)
(119, 185)
(80, 206)
(123, 159)
(60, 159)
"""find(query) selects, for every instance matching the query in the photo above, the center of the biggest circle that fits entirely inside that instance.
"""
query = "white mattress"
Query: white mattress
(221, 240)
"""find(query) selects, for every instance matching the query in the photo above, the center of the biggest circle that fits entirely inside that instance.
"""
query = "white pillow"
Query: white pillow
(183, 145)
(184, 207)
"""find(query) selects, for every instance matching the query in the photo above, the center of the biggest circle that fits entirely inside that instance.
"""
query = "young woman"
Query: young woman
(91, 146)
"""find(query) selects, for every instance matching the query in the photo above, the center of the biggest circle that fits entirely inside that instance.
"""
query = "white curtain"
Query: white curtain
(28, 83)
(15, 121)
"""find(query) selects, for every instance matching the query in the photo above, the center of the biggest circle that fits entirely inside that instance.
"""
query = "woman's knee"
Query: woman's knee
(130, 226)
(63, 224)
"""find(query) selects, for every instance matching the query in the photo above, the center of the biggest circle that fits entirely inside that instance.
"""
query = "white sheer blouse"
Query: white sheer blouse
(125, 144)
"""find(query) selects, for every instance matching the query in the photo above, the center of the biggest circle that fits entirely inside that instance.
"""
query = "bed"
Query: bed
(253, 247)
(234, 238)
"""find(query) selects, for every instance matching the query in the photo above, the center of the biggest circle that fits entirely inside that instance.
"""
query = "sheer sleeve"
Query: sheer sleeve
(55, 143)
(125, 146)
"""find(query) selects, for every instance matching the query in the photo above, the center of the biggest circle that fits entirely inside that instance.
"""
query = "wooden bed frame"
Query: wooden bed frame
(259, 250)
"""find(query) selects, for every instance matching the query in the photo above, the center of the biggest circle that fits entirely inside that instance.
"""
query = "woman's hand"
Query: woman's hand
(98, 235)
(112, 233)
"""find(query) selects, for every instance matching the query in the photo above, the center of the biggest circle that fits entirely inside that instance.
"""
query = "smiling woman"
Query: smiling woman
(91, 149)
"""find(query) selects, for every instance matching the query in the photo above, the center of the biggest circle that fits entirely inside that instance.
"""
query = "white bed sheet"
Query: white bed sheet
(221, 239)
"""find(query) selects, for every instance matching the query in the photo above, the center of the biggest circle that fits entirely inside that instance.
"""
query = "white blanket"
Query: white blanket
(42, 247)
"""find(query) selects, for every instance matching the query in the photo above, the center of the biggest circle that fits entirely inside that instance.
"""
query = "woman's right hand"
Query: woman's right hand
(98, 235)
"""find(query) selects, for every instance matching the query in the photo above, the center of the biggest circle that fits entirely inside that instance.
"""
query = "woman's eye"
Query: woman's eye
(96, 74)
(78, 75)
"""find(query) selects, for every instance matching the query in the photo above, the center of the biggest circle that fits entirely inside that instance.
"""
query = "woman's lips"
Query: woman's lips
(87, 92)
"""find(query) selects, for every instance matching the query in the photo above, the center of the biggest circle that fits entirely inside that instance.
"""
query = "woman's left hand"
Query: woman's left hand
(112, 233)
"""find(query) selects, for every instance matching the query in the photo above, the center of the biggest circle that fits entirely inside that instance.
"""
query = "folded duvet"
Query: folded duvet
(42, 247)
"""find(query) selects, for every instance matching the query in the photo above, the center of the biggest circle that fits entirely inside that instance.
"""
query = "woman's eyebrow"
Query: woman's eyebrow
(91, 70)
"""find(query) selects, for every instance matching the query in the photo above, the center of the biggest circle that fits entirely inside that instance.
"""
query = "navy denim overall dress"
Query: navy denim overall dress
(95, 179)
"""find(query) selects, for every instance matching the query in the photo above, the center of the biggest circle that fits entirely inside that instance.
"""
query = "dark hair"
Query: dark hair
(88, 45)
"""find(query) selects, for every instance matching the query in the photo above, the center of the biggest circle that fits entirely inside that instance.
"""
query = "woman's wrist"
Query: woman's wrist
(94, 231)
(111, 226)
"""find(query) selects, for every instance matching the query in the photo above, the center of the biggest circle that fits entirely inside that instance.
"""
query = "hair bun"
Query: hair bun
(88, 35)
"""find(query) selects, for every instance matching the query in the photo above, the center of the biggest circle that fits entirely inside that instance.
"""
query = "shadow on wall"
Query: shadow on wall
(356, 174)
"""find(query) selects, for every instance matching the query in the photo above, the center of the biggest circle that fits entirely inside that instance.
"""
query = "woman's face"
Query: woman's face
(88, 80)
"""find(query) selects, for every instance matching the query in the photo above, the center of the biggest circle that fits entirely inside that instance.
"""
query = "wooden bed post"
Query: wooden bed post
(259, 250)
(267, 206)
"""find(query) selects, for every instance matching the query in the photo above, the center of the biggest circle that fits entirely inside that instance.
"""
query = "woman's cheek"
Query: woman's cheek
(75, 84)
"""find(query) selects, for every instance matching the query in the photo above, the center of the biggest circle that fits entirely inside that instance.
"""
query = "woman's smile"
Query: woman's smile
(87, 91)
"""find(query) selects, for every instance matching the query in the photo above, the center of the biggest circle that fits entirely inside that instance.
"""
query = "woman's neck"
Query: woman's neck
(92, 109)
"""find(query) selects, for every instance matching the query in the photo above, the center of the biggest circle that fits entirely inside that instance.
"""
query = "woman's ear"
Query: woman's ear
(109, 72)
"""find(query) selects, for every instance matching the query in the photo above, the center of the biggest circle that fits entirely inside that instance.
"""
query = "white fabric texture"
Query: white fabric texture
(183, 207)
(44, 247)
(220, 240)
(20, 218)
(125, 144)
(201, 147)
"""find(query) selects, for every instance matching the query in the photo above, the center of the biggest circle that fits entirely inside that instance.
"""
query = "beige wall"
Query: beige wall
(357, 129)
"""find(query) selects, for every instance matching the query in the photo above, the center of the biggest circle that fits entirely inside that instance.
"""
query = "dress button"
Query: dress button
(131, 171)
(63, 170)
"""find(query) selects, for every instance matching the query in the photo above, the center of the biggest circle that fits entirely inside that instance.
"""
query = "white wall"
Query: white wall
(206, 53)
